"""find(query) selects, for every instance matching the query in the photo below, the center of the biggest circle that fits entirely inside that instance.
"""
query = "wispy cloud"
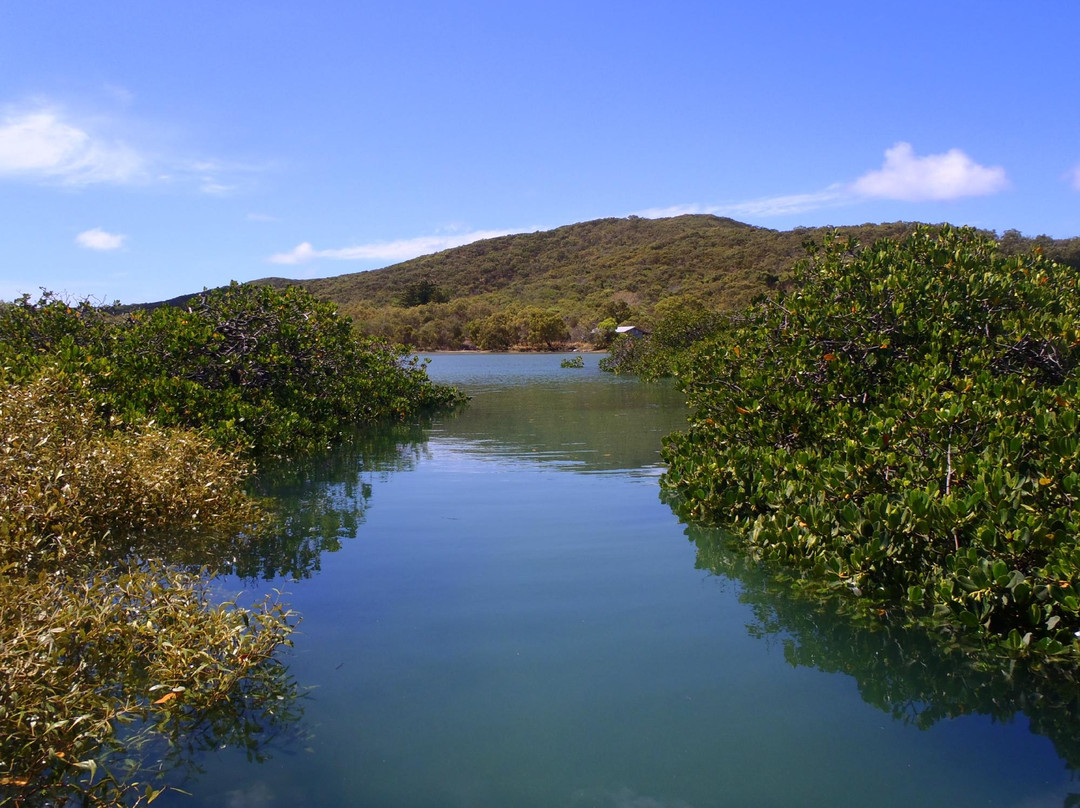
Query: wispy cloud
(401, 250)
(43, 143)
(1073, 177)
(766, 206)
(40, 144)
(262, 217)
(219, 177)
(214, 188)
(98, 239)
(904, 176)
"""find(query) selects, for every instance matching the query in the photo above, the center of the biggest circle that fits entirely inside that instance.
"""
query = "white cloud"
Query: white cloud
(904, 176)
(40, 144)
(386, 250)
(262, 217)
(211, 172)
(674, 210)
(98, 239)
(215, 188)
(910, 178)
(300, 254)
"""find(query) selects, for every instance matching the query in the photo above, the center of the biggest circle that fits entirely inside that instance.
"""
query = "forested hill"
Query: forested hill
(508, 290)
(641, 259)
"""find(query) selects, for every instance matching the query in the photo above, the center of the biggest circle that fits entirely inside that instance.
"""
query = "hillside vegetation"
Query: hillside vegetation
(585, 274)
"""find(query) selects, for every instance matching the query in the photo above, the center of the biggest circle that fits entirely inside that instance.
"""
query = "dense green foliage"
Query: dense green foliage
(679, 323)
(119, 435)
(902, 427)
(421, 292)
(75, 491)
(527, 328)
(266, 369)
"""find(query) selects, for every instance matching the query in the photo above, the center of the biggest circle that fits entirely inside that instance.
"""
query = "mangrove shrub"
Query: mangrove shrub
(261, 368)
(903, 427)
(117, 432)
(105, 649)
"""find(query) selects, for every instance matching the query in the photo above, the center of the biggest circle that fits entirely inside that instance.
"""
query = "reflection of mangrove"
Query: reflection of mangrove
(321, 502)
(910, 674)
(262, 717)
(590, 426)
(314, 504)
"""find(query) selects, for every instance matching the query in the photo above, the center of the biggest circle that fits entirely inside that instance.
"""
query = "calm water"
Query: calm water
(499, 611)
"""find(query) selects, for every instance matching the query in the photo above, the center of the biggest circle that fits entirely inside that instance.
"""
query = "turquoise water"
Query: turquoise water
(499, 610)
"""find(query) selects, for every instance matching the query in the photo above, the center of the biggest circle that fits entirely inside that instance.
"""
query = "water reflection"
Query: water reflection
(579, 423)
(501, 632)
(902, 672)
(260, 719)
(570, 425)
(321, 502)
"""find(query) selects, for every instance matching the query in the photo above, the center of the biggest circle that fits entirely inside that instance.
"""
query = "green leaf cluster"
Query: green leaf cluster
(528, 328)
(902, 428)
(421, 292)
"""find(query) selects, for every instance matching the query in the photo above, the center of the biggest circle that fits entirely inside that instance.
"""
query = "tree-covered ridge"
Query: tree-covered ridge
(902, 427)
(585, 274)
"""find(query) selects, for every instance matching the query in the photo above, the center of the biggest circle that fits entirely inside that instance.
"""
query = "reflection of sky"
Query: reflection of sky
(621, 797)
(257, 795)
(484, 457)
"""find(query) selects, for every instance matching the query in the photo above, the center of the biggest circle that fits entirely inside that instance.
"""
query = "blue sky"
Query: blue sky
(150, 149)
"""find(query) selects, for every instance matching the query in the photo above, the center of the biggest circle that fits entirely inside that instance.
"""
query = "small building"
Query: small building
(631, 330)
